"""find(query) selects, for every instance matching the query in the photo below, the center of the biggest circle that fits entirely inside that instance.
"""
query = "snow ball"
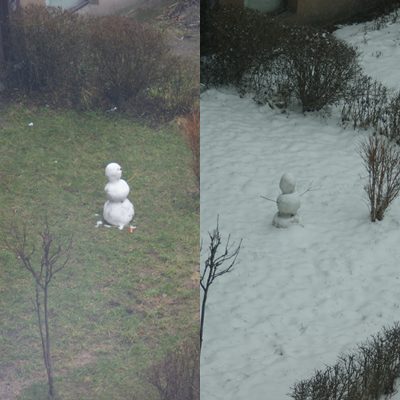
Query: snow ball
(287, 183)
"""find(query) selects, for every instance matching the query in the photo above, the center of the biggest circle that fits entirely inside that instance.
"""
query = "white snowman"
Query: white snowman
(288, 203)
(118, 210)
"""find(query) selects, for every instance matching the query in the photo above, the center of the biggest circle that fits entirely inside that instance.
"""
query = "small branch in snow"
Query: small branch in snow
(266, 198)
(309, 189)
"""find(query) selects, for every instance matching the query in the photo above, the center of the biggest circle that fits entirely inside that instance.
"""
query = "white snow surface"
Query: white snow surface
(297, 297)
(379, 49)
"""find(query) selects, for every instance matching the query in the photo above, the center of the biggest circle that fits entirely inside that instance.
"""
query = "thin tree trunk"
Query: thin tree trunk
(48, 354)
(203, 308)
(40, 323)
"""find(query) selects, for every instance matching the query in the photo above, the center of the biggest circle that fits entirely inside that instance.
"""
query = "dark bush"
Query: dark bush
(391, 120)
(318, 66)
(47, 52)
(277, 63)
(365, 103)
(177, 376)
(368, 373)
(127, 56)
(237, 36)
(369, 104)
(307, 65)
(100, 62)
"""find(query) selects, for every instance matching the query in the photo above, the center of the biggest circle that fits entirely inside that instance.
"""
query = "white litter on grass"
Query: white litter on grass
(298, 297)
(30, 124)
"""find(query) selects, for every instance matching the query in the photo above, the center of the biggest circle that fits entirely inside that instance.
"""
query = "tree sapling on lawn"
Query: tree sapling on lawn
(54, 258)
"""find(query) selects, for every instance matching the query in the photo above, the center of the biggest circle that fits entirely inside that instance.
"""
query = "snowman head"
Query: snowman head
(287, 183)
(113, 172)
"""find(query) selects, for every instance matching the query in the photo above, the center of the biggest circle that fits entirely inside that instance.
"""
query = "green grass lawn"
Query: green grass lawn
(124, 299)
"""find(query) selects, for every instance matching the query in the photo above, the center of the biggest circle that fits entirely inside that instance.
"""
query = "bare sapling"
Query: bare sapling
(217, 263)
(190, 125)
(381, 159)
(54, 257)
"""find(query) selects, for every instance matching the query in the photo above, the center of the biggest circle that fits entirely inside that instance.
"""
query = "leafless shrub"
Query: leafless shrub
(97, 63)
(366, 104)
(191, 129)
(306, 65)
(381, 159)
(391, 127)
(368, 373)
(213, 267)
(233, 39)
(269, 83)
(47, 48)
(319, 66)
(177, 376)
(54, 257)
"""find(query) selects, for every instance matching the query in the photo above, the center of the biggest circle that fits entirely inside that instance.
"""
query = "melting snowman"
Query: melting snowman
(288, 203)
(118, 210)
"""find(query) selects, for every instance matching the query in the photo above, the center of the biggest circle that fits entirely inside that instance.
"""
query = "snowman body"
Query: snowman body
(118, 210)
(288, 203)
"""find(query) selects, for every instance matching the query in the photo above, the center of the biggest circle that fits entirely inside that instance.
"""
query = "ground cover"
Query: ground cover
(125, 299)
(297, 298)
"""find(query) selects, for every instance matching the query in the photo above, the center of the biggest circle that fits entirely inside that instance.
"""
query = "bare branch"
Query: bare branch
(50, 263)
(266, 198)
(381, 159)
(216, 264)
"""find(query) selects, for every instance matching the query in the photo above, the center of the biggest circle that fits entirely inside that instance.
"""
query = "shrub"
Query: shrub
(180, 91)
(177, 376)
(190, 125)
(127, 57)
(382, 161)
(368, 373)
(306, 65)
(47, 53)
(98, 63)
(391, 126)
(318, 66)
(276, 63)
(268, 82)
(237, 36)
(365, 103)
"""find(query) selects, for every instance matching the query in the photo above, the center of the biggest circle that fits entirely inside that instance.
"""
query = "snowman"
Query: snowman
(118, 210)
(288, 203)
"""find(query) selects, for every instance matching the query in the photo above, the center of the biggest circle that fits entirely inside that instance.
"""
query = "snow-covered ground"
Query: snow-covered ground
(297, 297)
(379, 49)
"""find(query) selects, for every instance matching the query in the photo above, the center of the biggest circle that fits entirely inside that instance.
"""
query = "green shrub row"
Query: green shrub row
(97, 63)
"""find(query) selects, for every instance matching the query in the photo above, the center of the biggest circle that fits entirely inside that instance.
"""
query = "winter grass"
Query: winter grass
(125, 299)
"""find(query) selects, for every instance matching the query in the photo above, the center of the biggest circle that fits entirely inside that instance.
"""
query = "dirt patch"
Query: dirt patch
(11, 386)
